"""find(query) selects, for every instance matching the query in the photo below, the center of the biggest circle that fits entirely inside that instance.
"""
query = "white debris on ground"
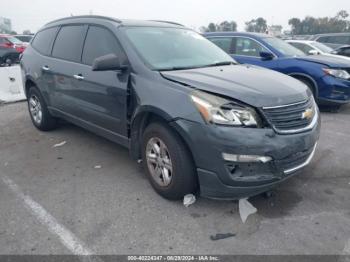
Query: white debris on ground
(189, 200)
(245, 209)
(97, 167)
(60, 144)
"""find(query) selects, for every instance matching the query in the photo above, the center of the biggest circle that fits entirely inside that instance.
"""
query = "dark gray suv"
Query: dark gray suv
(199, 121)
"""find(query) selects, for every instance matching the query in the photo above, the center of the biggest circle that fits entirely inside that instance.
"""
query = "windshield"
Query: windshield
(283, 47)
(14, 40)
(175, 48)
(322, 47)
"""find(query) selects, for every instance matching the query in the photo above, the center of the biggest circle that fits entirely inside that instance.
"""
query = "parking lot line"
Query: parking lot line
(67, 238)
(346, 250)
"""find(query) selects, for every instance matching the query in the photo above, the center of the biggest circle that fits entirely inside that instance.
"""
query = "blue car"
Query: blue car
(327, 77)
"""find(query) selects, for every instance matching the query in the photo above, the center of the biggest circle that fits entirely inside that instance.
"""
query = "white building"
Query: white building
(274, 30)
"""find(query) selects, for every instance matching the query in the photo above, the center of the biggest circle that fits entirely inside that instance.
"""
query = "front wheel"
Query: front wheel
(168, 162)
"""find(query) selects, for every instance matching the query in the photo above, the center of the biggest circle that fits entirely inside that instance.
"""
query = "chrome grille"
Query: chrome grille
(292, 118)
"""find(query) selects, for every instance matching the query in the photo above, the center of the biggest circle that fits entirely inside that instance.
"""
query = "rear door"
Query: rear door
(101, 96)
(66, 57)
(39, 61)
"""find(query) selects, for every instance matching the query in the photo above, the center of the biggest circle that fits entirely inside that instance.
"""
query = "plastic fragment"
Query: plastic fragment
(60, 144)
(189, 200)
(222, 236)
(97, 166)
(245, 209)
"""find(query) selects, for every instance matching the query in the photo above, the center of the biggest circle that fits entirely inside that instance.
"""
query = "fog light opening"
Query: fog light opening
(246, 158)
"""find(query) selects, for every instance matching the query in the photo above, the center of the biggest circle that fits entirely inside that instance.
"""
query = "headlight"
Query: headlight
(339, 73)
(220, 111)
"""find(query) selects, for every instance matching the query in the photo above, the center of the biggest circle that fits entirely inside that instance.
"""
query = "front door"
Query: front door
(101, 96)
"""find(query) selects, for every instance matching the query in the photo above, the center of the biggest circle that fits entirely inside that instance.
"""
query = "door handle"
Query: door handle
(78, 77)
(46, 68)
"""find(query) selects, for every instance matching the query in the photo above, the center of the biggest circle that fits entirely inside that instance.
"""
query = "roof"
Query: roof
(333, 34)
(225, 33)
(301, 41)
(121, 22)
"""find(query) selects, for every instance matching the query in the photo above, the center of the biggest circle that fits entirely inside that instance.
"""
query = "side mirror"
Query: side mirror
(107, 63)
(314, 52)
(266, 55)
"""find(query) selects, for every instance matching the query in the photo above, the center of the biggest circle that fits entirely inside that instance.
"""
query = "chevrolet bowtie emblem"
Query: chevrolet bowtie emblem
(307, 114)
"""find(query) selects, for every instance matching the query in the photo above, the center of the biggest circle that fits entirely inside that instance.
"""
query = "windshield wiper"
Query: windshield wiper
(194, 67)
(174, 68)
(221, 64)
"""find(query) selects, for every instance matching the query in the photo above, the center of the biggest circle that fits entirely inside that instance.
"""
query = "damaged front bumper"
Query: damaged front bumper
(233, 163)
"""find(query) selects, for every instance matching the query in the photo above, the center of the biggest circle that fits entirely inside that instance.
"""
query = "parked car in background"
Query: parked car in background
(327, 77)
(332, 40)
(311, 47)
(343, 50)
(10, 49)
(24, 38)
(315, 48)
(198, 120)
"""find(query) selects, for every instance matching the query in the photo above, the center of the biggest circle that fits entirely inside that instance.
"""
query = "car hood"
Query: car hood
(252, 85)
(331, 61)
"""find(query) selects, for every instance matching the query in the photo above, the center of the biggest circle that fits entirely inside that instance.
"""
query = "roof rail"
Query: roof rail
(168, 22)
(86, 16)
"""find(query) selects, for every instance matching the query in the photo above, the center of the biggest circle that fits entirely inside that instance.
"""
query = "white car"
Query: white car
(314, 48)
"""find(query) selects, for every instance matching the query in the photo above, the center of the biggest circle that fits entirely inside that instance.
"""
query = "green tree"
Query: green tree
(212, 27)
(228, 26)
(258, 25)
(312, 25)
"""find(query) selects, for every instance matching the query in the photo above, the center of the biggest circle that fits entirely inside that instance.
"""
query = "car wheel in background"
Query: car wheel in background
(310, 85)
(167, 162)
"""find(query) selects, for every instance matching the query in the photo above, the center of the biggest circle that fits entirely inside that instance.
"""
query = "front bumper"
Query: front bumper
(231, 180)
(334, 91)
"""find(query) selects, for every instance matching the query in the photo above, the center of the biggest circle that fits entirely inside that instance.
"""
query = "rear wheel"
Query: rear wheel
(38, 111)
(167, 162)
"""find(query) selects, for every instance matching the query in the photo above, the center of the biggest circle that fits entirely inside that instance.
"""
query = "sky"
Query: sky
(33, 14)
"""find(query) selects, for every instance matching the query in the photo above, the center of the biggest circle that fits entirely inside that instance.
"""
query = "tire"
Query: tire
(183, 177)
(39, 114)
(310, 85)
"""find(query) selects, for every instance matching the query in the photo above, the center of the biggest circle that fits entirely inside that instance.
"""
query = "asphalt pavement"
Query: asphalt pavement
(88, 197)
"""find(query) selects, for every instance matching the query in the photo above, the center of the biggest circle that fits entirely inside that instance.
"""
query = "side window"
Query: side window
(298, 45)
(225, 43)
(43, 40)
(69, 43)
(341, 40)
(99, 41)
(345, 51)
(305, 48)
(323, 39)
(248, 47)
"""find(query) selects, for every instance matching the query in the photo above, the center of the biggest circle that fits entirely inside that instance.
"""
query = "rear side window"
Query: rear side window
(99, 42)
(344, 40)
(43, 40)
(69, 43)
(225, 43)
(323, 39)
